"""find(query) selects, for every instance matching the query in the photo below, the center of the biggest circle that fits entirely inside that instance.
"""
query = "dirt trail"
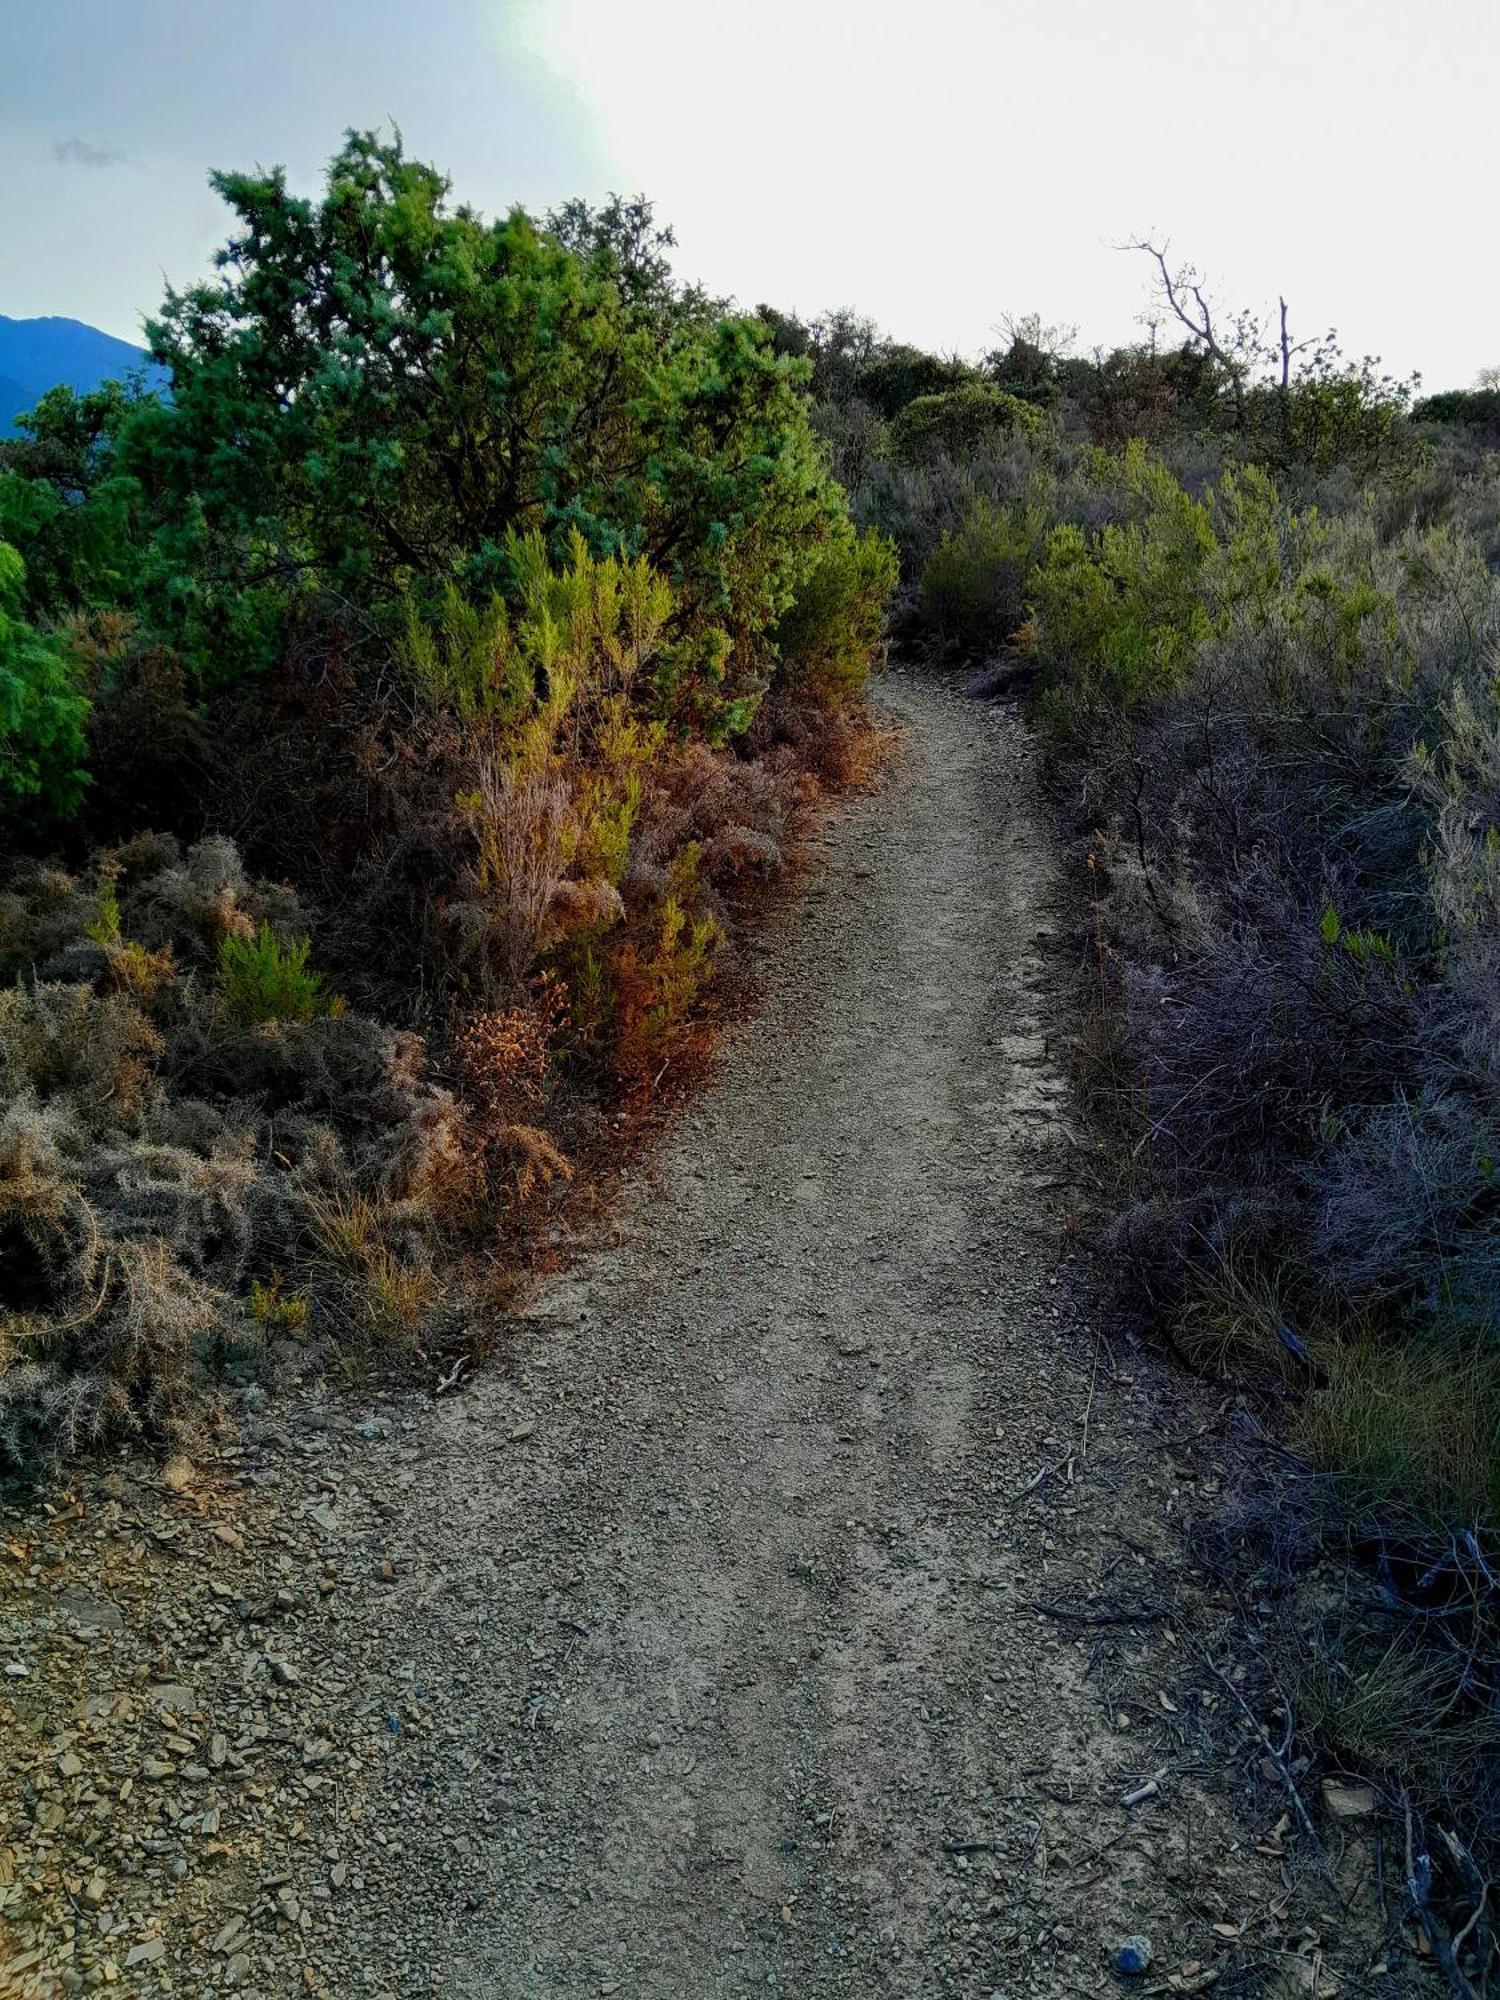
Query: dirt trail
(697, 1651)
(745, 1619)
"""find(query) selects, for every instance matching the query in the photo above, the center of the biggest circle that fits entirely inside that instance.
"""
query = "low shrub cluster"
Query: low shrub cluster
(973, 595)
(179, 1093)
(1476, 410)
(383, 791)
(949, 458)
(1285, 731)
(959, 422)
(1256, 596)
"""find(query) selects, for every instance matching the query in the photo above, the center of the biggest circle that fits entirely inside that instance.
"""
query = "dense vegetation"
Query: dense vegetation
(1253, 596)
(392, 720)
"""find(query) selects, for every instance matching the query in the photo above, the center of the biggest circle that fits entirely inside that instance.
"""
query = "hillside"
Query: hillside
(52, 352)
(14, 398)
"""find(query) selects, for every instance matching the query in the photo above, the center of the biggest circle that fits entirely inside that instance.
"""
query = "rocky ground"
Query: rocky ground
(800, 1607)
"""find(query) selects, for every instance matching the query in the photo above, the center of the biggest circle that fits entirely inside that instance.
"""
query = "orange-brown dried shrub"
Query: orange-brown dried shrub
(504, 1057)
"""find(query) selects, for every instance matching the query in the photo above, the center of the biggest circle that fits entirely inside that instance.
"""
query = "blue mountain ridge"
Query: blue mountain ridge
(41, 354)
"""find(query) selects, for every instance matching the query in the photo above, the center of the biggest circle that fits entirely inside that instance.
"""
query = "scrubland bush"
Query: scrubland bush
(835, 627)
(1476, 409)
(261, 979)
(1287, 770)
(960, 421)
(973, 592)
(168, 1143)
(640, 419)
(856, 438)
(43, 709)
(1119, 612)
(410, 763)
(917, 506)
(891, 375)
(1283, 726)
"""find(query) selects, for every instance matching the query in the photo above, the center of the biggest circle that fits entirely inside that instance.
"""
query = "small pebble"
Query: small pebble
(1134, 1955)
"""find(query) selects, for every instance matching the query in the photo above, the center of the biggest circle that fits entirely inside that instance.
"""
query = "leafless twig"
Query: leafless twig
(1277, 1756)
(1137, 1614)
(1419, 1894)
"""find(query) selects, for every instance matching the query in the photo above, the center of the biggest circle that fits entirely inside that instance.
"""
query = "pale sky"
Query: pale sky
(932, 165)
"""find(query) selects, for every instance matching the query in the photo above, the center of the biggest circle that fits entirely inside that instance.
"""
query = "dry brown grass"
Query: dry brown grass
(161, 1154)
(523, 824)
(383, 1290)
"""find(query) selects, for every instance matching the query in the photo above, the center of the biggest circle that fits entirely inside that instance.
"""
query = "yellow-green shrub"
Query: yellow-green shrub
(960, 422)
(1120, 611)
(835, 627)
(973, 590)
(261, 979)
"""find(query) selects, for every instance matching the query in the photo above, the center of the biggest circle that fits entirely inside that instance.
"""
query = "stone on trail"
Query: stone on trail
(1134, 1956)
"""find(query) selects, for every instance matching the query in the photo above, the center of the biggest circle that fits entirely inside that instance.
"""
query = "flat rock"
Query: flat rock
(93, 1615)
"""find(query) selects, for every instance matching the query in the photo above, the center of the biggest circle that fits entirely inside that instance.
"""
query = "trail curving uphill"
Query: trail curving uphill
(740, 1645)
(801, 1608)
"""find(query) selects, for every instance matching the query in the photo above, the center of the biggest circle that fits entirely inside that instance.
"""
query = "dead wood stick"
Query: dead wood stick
(1088, 1410)
(1478, 1886)
(1038, 1478)
(1140, 1614)
(1278, 1757)
(1418, 1885)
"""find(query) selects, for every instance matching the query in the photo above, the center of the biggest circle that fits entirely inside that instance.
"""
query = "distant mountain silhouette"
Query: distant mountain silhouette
(14, 397)
(40, 354)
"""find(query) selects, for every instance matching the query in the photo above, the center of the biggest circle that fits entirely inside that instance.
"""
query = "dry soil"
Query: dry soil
(792, 1613)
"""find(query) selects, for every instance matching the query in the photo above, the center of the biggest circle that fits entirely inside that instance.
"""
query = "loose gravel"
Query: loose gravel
(792, 1612)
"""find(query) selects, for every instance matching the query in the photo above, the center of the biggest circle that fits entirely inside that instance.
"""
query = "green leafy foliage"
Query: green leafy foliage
(1479, 407)
(960, 421)
(1120, 612)
(1332, 416)
(69, 507)
(261, 979)
(835, 626)
(892, 375)
(424, 404)
(568, 634)
(411, 388)
(43, 709)
(973, 588)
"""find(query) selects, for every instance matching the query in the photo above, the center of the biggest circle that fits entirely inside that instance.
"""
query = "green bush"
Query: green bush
(1480, 407)
(68, 506)
(1334, 417)
(260, 979)
(1120, 611)
(43, 710)
(961, 421)
(834, 628)
(573, 632)
(416, 392)
(973, 589)
(895, 375)
(411, 387)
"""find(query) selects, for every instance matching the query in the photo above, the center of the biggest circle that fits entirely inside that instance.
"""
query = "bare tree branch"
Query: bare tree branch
(1183, 293)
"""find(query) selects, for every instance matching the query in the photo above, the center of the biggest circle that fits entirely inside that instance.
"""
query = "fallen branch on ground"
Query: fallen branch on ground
(1277, 1756)
(1139, 1614)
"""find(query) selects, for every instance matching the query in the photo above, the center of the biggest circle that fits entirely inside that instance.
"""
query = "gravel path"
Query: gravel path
(792, 1613)
(762, 1704)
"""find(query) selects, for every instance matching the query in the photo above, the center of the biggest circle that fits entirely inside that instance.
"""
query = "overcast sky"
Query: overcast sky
(933, 165)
